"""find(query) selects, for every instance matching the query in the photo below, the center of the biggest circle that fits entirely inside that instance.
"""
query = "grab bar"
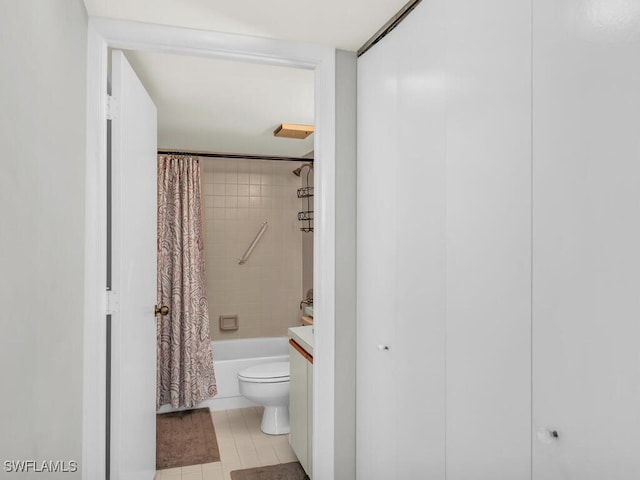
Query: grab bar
(253, 244)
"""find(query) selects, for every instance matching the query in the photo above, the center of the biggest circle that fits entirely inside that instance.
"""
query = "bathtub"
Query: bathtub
(232, 356)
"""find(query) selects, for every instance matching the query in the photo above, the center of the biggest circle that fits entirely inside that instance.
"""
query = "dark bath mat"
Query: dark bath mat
(185, 438)
(283, 471)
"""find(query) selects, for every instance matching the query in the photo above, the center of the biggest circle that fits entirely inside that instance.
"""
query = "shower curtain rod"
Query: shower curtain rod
(244, 156)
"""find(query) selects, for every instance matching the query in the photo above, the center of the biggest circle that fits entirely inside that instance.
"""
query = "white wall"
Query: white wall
(42, 133)
(344, 444)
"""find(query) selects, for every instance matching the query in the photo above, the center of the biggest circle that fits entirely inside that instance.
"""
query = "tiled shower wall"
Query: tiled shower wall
(307, 238)
(265, 292)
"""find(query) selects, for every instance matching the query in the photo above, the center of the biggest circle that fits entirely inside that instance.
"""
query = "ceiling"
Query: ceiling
(224, 106)
(344, 24)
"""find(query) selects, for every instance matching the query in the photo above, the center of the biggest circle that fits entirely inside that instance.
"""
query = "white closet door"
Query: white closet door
(400, 401)
(444, 246)
(419, 354)
(376, 428)
(586, 250)
(488, 240)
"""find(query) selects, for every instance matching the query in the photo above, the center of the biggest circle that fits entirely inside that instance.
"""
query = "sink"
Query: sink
(303, 336)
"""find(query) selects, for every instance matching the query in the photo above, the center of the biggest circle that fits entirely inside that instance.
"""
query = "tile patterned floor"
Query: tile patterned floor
(242, 445)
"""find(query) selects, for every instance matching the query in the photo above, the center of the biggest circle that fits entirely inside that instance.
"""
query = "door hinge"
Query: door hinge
(112, 302)
(112, 108)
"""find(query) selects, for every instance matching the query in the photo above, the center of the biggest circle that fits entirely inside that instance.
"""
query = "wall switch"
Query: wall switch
(229, 322)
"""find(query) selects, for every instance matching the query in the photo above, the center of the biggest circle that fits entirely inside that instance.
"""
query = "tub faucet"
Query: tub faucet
(309, 300)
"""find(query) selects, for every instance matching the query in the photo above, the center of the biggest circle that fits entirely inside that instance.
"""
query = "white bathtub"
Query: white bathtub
(232, 356)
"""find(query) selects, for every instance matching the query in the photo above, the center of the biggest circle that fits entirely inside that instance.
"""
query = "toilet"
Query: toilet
(268, 384)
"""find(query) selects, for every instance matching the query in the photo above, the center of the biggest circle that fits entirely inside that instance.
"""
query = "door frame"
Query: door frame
(106, 33)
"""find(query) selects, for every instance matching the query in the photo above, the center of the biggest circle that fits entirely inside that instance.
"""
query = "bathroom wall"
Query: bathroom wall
(265, 292)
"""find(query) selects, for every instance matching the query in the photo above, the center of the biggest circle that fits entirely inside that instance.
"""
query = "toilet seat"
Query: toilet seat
(275, 372)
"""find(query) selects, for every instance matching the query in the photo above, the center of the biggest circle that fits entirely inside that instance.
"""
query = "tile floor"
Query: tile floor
(241, 444)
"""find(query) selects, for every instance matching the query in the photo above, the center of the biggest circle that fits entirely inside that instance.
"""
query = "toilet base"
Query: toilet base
(275, 420)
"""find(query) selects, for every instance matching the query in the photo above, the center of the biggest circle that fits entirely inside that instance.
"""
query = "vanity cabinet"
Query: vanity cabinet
(301, 401)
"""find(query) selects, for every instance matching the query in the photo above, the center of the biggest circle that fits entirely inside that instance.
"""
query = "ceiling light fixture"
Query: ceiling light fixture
(293, 130)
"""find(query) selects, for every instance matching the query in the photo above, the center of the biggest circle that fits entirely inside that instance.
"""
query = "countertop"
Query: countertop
(303, 336)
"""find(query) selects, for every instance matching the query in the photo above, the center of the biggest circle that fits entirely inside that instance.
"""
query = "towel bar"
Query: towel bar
(253, 244)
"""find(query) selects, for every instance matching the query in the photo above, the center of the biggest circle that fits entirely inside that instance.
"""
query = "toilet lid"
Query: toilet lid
(266, 370)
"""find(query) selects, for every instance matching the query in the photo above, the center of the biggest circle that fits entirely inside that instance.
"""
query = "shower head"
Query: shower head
(298, 170)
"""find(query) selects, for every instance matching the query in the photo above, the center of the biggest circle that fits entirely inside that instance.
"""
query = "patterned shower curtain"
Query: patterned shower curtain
(185, 374)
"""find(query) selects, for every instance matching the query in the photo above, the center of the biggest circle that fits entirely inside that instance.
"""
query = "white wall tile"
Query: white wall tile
(231, 178)
(243, 190)
(264, 292)
(255, 178)
(254, 202)
(218, 177)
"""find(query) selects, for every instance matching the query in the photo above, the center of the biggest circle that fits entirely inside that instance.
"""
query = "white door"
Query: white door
(400, 408)
(586, 234)
(444, 280)
(133, 350)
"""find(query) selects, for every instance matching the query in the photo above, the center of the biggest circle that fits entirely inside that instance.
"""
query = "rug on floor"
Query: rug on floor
(283, 471)
(185, 438)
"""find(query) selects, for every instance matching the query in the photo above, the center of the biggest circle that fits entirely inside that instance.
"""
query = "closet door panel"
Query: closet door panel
(586, 222)
(421, 264)
(488, 240)
(400, 401)
(376, 428)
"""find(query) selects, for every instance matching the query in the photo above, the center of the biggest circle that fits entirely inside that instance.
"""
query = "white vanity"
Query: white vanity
(301, 393)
